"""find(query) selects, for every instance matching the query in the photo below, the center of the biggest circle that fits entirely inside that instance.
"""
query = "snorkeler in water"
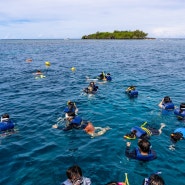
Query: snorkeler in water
(142, 153)
(94, 131)
(71, 108)
(6, 124)
(75, 122)
(178, 135)
(143, 132)
(91, 89)
(166, 103)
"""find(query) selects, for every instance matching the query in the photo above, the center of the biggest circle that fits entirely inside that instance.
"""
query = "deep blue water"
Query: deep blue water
(39, 155)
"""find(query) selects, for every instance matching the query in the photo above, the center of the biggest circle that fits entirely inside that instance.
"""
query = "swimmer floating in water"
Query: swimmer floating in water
(6, 125)
(177, 135)
(39, 74)
(77, 123)
(91, 89)
(95, 131)
(166, 103)
(71, 108)
(144, 132)
(143, 152)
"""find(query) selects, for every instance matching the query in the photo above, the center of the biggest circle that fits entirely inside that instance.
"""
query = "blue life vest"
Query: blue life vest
(6, 125)
(108, 78)
(168, 105)
(179, 113)
(76, 121)
(67, 110)
(180, 130)
(141, 157)
(133, 93)
(139, 131)
(95, 88)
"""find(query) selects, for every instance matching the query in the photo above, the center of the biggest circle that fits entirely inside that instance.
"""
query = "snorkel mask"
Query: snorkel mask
(78, 181)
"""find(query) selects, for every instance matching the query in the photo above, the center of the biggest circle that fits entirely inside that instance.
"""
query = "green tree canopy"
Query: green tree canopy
(137, 34)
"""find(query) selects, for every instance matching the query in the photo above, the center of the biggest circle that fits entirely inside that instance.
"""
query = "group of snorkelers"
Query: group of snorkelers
(168, 105)
(143, 152)
(93, 88)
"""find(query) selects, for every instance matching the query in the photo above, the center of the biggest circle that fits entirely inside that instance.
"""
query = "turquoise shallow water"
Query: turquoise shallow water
(38, 154)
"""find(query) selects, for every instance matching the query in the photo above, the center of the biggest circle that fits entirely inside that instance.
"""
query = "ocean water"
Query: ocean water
(39, 155)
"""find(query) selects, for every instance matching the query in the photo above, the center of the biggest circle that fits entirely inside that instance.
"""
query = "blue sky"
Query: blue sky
(26, 19)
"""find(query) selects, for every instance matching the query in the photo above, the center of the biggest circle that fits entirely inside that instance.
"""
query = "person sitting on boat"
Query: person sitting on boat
(6, 124)
(166, 103)
(91, 89)
(142, 152)
(143, 132)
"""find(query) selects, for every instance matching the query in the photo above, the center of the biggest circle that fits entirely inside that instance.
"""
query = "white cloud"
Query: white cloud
(74, 18)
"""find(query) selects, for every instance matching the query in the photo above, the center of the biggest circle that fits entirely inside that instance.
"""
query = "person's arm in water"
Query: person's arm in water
(100, 132)
(128, 153)
(69, 127)
(161, 127)
(161, 103)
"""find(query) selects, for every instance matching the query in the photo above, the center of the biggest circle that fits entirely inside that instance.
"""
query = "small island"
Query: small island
(137, 34)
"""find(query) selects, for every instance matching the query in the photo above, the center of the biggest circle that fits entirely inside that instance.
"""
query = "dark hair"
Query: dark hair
(144, 145)
(91, 83)
(155, 179)
(131, 135)
(71, 114)
(182, 107)
(167, 99)
(71, 105)
(176, 136)
(74, 172)
(112, 183)
(5, 115)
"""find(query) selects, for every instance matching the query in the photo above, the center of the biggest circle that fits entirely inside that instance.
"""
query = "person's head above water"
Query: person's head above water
(5, 117)
(131, 135)
(71, 104)
(154, 179)
(74, 174)
(91, 84)
(144, 145)
(167, 99)
(176, 137)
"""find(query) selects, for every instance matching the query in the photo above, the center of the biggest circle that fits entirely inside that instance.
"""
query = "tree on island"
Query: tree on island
(137, 34)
